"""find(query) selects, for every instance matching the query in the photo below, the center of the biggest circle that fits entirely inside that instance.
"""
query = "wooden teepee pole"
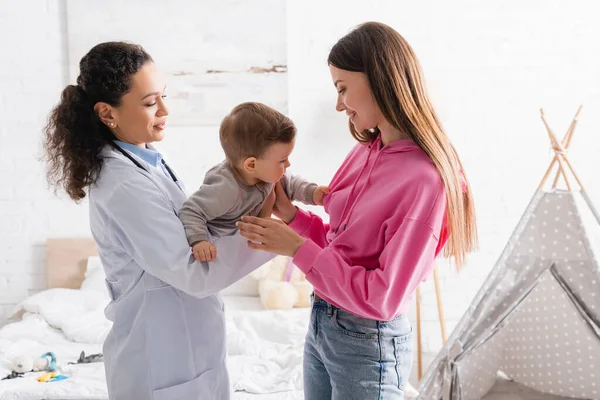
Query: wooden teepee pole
(567, 141)
(554, 160)
(560, 153)
(438, 296)
(562, 156)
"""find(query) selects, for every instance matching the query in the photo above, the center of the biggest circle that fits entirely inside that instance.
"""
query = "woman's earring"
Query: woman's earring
(111, 124)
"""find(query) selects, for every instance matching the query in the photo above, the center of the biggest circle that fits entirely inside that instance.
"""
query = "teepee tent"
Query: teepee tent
(535, 323)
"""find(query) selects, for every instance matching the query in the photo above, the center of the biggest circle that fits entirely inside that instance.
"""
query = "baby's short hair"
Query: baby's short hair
(250, 128)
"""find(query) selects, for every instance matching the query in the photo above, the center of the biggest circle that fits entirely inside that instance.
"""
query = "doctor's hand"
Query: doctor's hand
(204, 251)
(270, 235)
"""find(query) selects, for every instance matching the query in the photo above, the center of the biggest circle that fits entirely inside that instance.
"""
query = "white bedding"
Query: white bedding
(264, 347)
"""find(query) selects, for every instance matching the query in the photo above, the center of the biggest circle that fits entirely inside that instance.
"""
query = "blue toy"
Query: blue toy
(51, 358)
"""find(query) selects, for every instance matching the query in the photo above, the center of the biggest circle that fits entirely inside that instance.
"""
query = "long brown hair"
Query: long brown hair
(74, 134)
(397, 83)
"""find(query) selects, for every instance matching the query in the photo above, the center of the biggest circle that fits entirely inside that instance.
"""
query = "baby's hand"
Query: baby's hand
(204, 251)
(319, 193)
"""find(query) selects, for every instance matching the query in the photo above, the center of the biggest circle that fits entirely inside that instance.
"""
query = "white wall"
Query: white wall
(489, 66)
(32, 73)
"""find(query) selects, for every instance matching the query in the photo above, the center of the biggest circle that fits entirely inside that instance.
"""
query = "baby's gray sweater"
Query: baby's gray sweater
(224, 198)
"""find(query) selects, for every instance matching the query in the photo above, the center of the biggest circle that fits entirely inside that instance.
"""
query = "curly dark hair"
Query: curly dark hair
(74, 134)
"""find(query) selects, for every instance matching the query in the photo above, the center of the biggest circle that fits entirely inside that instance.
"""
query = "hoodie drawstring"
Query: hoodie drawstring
(343, 217)
(362, 189)
(353, 187)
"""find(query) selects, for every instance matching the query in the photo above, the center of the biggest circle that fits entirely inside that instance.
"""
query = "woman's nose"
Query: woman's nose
(340, 106)
(162, 111)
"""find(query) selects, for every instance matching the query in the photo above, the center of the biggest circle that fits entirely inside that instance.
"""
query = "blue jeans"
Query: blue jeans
(348, 357)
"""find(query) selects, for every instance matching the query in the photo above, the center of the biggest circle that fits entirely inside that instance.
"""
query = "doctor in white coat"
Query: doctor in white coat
(168, 336)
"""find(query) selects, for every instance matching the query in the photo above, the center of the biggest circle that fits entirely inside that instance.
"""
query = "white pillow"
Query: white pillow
(94, 275)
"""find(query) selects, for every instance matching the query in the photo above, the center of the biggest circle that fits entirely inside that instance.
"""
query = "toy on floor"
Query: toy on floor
(83, 359)
(14, 375)
(282, 285)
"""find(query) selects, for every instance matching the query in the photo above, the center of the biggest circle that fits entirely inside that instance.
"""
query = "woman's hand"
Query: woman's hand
(270, 235)
(283, 208)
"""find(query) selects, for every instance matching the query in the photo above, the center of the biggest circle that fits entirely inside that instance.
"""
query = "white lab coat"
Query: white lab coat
(168, 336)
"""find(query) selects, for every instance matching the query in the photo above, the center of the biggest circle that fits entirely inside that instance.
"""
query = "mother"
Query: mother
(394, 203)
(168, 335)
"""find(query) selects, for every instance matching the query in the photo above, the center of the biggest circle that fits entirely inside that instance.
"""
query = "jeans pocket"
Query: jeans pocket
(403, 352)
(354, 326)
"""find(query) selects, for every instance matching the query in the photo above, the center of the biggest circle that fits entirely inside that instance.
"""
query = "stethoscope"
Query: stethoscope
(133, 160)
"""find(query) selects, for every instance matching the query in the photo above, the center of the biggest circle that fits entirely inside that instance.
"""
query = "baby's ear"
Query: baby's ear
(249, 164)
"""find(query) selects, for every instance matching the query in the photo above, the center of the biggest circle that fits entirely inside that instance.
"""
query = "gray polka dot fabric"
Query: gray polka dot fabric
(536, 320)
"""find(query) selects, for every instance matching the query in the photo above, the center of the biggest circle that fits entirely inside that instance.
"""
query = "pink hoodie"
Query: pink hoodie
(387, 225)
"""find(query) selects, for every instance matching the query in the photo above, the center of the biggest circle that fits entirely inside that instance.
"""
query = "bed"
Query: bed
(264, 347)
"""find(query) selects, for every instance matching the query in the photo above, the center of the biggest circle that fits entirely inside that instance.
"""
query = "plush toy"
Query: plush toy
(46, 363)
(21, 365)
(24, 364)
(51, 377)
(282, 285)
(83, 359)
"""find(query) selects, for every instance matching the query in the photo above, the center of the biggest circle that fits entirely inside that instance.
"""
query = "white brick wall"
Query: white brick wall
(489, 67)
(32, 73)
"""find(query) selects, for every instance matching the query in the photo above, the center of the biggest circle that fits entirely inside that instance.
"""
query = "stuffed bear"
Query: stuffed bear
(281, 285)
(23, 364)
